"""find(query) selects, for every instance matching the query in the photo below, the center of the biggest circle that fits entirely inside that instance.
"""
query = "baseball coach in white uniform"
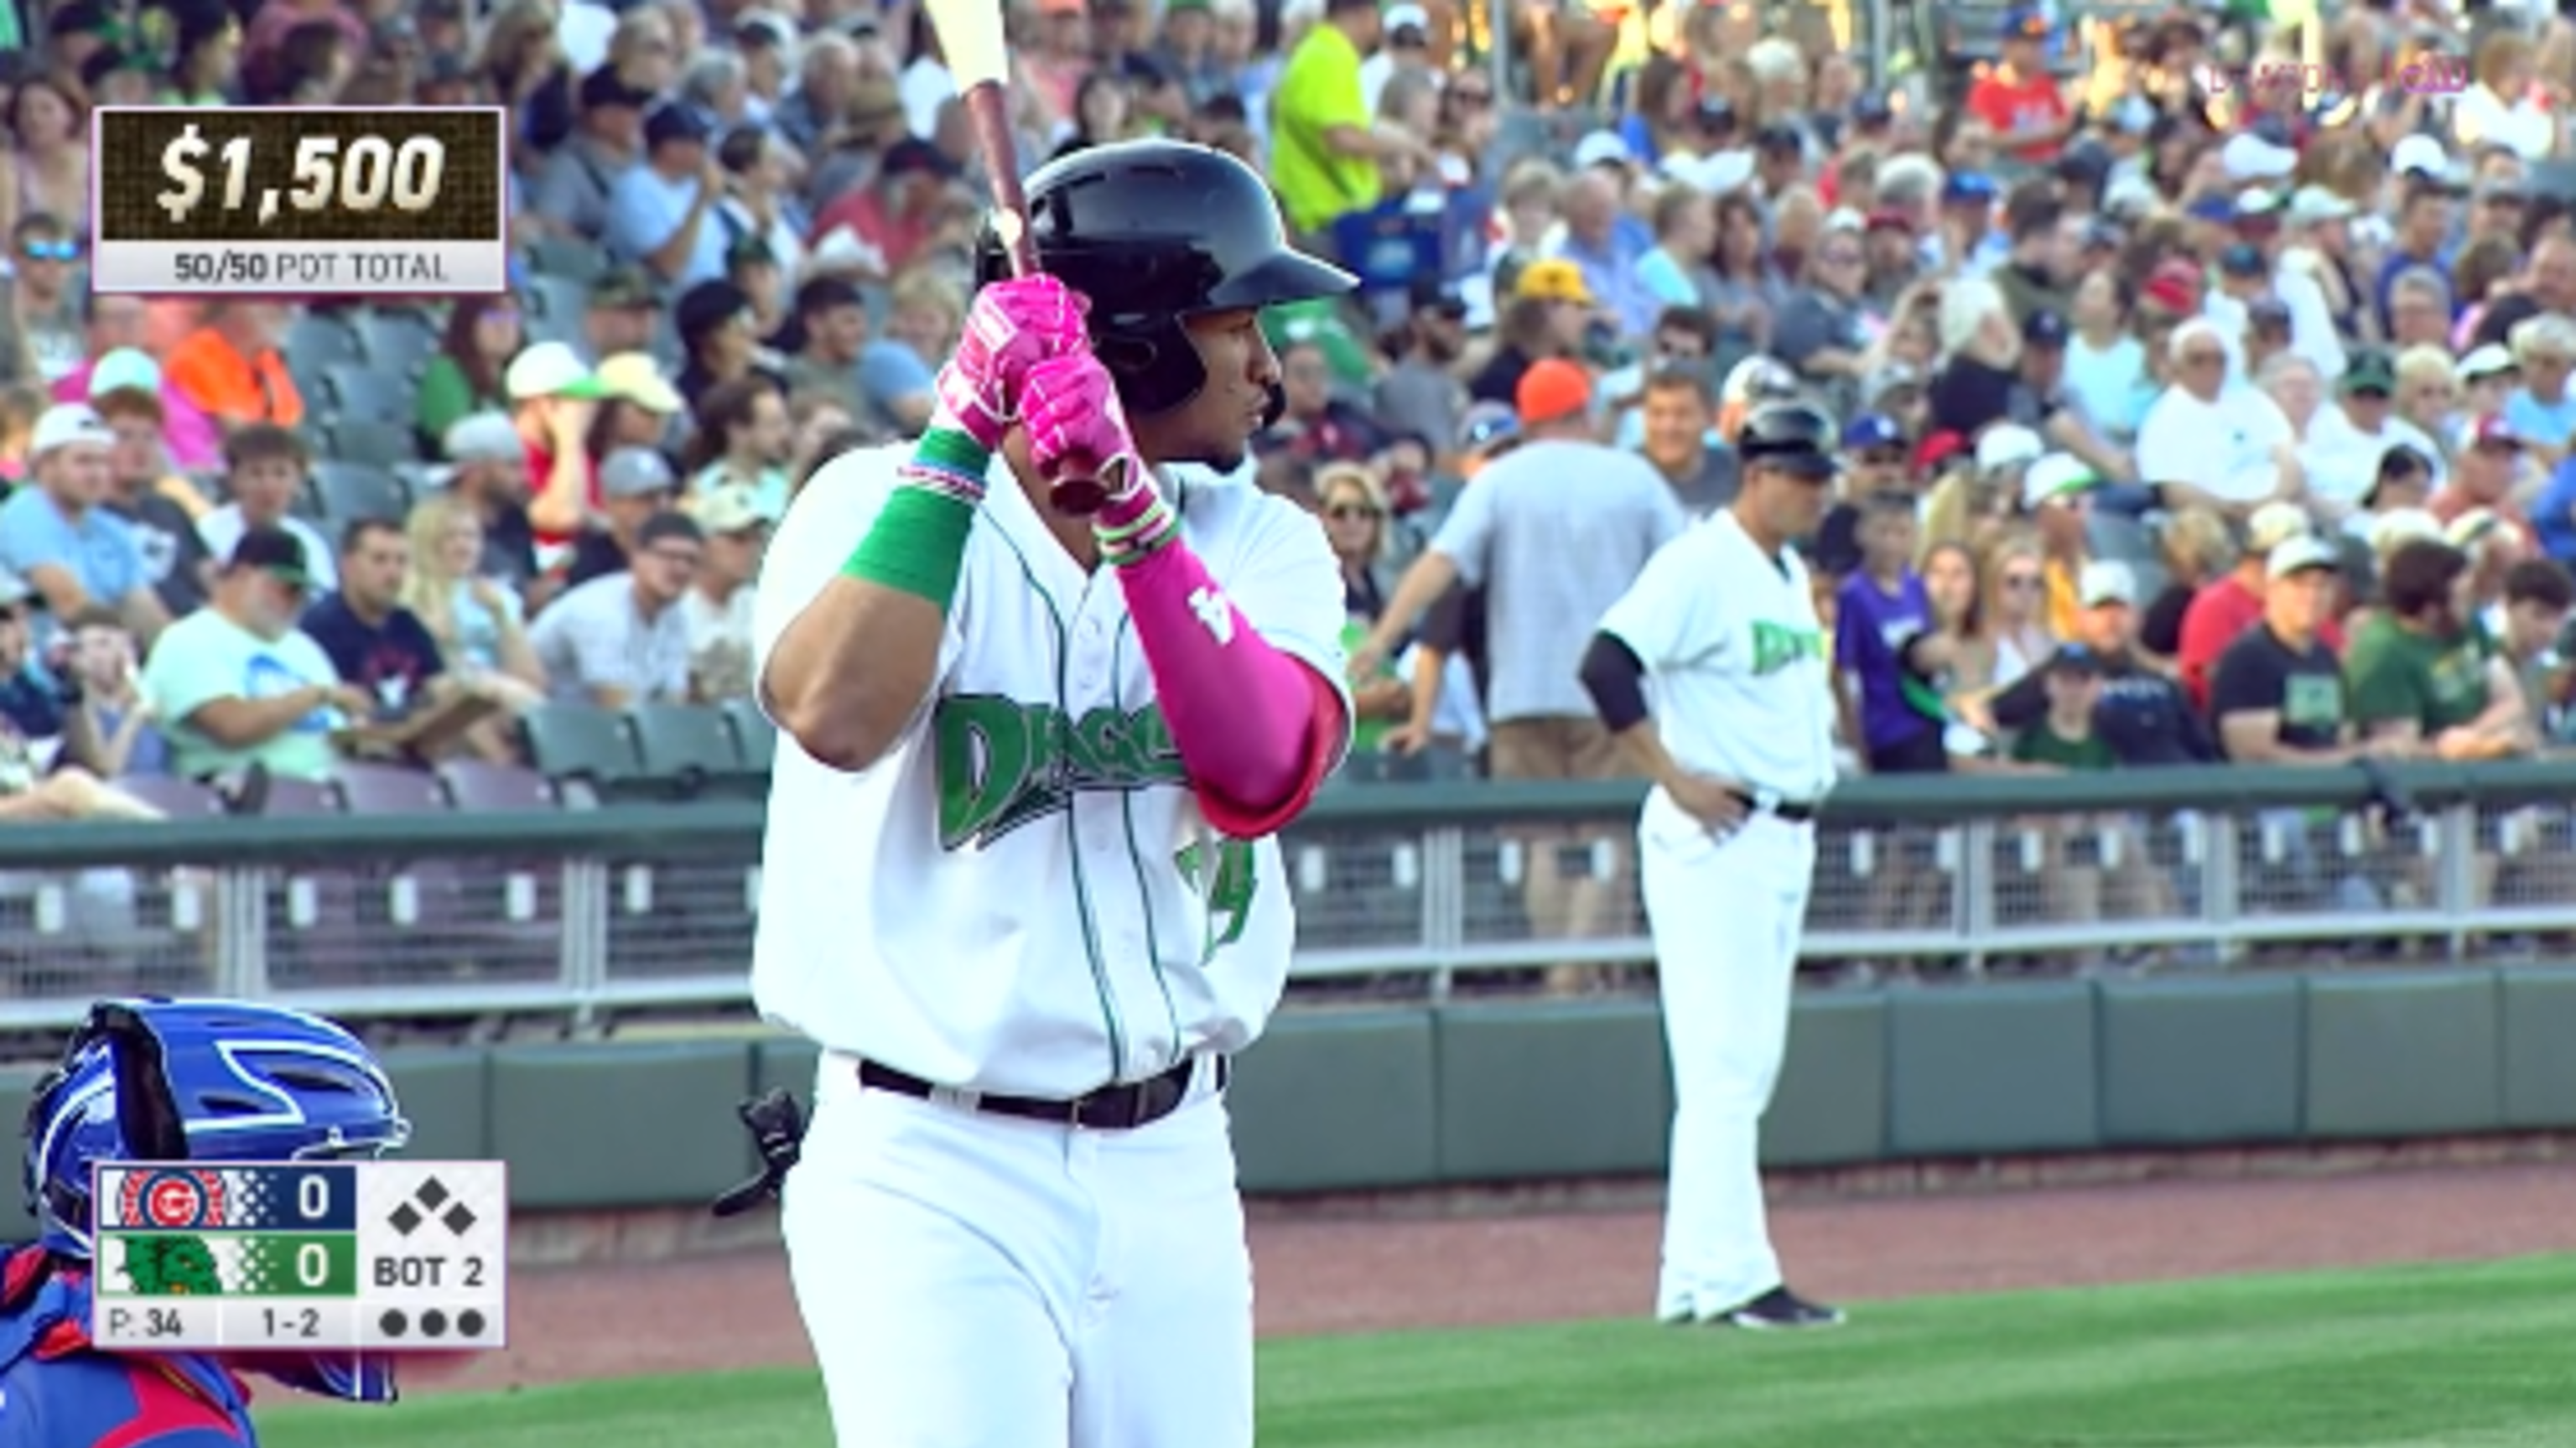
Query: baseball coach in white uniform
(1712, 674)
(1020, 883)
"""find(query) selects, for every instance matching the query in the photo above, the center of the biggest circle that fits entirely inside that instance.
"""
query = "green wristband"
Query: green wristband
(951, 450)
(917, 545)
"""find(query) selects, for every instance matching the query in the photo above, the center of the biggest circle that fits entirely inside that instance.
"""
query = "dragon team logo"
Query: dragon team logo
(172, 1200)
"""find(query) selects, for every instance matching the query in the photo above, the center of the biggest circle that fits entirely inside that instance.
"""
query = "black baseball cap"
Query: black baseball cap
(2075, 659)
(273, 551)
(2369, 370)
(82, 17)
(2085, 163)
(605, 89)
(2043, 328)
(708, 305)
(668, 524)
(672, 123)
(913, 154)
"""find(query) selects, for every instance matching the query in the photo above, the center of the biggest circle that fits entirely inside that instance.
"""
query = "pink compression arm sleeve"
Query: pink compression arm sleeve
(1256, 729)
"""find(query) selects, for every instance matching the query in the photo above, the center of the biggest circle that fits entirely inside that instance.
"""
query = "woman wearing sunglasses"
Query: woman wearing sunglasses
(1354, 512)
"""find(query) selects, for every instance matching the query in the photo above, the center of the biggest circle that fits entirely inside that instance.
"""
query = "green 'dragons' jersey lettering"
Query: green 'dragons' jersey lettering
(1003, 764)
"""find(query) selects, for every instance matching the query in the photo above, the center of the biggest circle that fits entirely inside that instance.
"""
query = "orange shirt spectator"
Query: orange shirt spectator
(232, 370)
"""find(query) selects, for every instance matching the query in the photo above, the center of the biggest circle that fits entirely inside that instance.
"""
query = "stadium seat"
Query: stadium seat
(390, 789)
(543, 327)
(568, 258)
(285, 797)
(180, 799)
(371, 441)
(586, 745)
(319, 343)
(399, 340)
(560, 300)
(482, 787)
(420, 479)
(686, 750)
(665, 346)
(755, 738)
(349, 491)
(360, 392)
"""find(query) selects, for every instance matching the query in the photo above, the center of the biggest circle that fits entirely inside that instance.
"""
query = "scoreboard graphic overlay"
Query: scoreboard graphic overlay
(409, 1255)
(334, 201)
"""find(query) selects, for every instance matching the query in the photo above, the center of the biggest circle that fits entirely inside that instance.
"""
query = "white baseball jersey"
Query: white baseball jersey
(1735, 661)
(1021, 896)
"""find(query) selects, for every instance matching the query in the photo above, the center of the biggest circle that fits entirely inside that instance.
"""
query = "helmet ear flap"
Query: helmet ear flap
(1126, 355)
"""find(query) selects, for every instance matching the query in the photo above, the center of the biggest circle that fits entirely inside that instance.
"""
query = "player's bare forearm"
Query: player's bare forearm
(1422, 584)
(1643, 744)
(849, 672)
(1428, 666)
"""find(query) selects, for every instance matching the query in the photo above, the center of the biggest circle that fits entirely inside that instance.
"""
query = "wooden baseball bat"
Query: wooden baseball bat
(978, 52)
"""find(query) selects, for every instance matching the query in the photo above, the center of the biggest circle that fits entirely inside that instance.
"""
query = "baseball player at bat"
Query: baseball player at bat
(1712, 673)
(1020, 880)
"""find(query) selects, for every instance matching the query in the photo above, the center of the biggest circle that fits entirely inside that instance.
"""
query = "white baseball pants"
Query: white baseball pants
(1726, 915)
(972, 1281)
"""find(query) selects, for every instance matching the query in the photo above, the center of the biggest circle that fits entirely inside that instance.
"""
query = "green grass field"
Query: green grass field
(2460, 1357)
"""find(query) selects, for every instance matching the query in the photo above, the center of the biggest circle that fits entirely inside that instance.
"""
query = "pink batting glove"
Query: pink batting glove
(1076, 427)
(1012, 326)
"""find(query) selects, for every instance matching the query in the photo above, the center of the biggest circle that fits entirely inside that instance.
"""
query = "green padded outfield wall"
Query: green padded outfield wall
(1334, 1100)
(1516, 1062)
(2536, 1010)
(2200, 1062)
(2404, 1054)
(1830, 1105)
(1351, 1100)
(1992, 1070)
(611, 1125)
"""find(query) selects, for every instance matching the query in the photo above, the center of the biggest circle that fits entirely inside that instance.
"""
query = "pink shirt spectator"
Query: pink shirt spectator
(187, 433)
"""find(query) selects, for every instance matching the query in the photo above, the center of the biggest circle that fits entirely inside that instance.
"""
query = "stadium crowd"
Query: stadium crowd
(2183, 420)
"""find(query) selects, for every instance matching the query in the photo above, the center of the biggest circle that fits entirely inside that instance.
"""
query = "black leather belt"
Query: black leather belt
(1111, 1108)
(1794, 811)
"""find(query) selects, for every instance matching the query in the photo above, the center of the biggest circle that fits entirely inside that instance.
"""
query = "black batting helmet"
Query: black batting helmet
(1153, 232)
(1787, 435)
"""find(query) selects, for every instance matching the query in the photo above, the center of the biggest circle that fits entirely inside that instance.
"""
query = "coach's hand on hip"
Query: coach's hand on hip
(1717, 803)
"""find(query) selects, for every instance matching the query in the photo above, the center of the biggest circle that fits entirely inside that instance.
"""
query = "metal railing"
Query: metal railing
(585, 912)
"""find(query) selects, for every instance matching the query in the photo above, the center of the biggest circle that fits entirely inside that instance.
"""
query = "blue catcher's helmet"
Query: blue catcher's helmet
(198, 1080)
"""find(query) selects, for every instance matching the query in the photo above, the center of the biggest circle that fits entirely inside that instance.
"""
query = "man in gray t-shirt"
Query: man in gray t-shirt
(622, 639)
(1555, 532)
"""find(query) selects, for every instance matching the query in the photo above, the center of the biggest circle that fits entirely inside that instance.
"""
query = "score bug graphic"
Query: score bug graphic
(336, 1255)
